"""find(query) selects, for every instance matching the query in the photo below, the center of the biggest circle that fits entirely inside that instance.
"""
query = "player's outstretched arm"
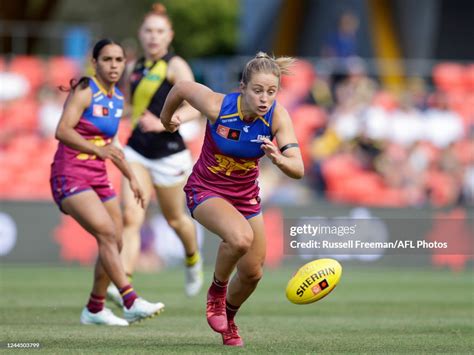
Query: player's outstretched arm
(198, 96)
(179, 70)
(286, 154)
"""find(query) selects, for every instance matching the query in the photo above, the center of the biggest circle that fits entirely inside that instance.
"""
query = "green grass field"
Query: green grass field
(372, 311)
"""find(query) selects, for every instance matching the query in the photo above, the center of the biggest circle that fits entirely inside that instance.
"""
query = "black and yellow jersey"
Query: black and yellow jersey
(149, 88)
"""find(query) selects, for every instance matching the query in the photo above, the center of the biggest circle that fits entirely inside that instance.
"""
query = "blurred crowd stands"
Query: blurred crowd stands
(361, 143)
(365, 145)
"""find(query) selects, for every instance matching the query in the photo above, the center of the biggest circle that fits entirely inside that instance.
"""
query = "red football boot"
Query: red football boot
(215, 312)
(231, 336)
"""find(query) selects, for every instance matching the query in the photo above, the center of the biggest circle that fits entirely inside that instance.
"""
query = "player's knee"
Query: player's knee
(252, 276)
(176, 221)
(132, 217)
(107, 235)
(241, 241)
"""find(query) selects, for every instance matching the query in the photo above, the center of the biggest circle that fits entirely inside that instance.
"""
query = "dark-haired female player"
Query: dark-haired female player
(80, 185)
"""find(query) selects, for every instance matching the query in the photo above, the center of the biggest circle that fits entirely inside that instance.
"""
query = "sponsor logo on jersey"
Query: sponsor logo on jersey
(97, 110)
(100, 111)
(260, 137)
(228, 133)
(246, 129)
(153, 77)
(223, 131)
(229, 120)
(172, 145)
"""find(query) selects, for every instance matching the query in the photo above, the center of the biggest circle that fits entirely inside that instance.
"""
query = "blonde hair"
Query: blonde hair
(266, 64)
(158, 9)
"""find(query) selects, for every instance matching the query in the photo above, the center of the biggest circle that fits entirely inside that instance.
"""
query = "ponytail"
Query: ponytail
(264, 63)
(158, 9)
(83, 83)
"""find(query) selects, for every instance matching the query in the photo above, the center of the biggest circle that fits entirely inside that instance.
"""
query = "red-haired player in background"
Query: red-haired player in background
(158, 158)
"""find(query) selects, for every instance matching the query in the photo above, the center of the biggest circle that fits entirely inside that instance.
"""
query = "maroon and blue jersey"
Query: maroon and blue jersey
(98, 124)
(228, 164)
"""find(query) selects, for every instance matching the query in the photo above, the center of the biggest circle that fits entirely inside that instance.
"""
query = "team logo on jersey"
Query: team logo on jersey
(100, 111)
(234, 134)
(228, 133)
(228, 165)
(223, 131)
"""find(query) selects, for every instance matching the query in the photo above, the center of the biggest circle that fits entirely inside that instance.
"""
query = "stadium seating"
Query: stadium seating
(307, 119)
(30, 67)
(26, 155)
(20, 115)
(469, 77)
(449, 76)
(61, 70)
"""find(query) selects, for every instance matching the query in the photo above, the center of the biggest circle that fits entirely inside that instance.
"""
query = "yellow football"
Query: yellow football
(313, 281)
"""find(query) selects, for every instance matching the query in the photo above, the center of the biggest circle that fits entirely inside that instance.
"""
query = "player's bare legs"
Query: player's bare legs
(245, 280)
(101, 279)
(93, 216)
(134, 216)
(90, 212)
(250, 266)
(171, 200)
(221, 218)
(172, 203)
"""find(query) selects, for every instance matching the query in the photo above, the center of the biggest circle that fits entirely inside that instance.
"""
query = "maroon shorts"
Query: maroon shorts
(196, 195)
(63, 186)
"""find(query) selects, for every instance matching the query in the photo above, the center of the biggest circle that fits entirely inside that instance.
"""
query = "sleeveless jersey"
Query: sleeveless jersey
(149, 88)
(228, 163)
(99, 124)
